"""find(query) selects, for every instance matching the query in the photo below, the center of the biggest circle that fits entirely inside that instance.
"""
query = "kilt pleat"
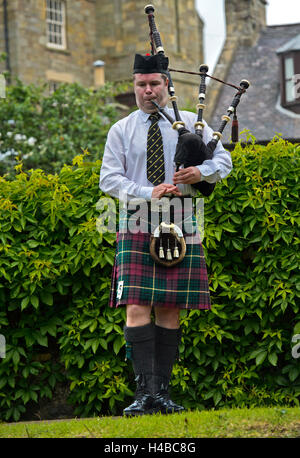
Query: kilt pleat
(137, 279)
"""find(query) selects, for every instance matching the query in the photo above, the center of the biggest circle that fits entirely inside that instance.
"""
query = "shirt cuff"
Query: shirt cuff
(145, 192)
(207, 174)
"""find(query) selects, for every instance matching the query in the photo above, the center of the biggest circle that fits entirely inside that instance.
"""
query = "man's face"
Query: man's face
(149, 87)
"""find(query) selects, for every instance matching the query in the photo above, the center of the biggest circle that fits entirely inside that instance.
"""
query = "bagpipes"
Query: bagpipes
(167, 244)
(191, 150)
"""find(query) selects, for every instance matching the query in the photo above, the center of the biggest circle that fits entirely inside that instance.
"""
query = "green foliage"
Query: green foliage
(47, 131)
(55, 271)
(239, 354)
(55, 279)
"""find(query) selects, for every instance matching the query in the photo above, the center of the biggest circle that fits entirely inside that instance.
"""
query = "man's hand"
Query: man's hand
(164, 188)
(190, 175)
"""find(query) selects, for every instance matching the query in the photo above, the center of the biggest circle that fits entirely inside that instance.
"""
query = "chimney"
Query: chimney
(245, 20)
(99, 78)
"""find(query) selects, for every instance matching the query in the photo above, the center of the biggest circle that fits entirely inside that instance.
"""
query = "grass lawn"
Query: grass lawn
(233, 423)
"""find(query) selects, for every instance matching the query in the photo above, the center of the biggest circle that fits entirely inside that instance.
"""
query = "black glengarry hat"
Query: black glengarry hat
(151, 64)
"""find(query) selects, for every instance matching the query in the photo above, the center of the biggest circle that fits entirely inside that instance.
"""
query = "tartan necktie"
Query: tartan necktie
(155, 152)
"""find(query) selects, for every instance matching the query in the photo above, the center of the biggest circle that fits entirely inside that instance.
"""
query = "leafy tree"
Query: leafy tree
(47, 131)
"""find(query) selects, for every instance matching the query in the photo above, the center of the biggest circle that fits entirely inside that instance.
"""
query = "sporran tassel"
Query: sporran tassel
(161, 250)
(176, 252)
(169, 254)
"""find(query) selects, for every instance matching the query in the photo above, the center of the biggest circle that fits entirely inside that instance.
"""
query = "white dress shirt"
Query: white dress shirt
(123, 171)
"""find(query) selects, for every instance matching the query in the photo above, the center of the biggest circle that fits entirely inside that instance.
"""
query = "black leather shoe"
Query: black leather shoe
(162, 403)
(143, 401)
(142, 405)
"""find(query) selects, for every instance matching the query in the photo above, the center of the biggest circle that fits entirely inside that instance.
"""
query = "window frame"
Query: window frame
(293, 104)
(62, 24)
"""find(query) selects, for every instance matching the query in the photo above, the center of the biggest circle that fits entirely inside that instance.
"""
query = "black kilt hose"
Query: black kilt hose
(138, 279)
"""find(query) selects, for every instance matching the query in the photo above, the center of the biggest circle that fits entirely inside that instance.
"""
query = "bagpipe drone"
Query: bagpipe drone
(167, 245)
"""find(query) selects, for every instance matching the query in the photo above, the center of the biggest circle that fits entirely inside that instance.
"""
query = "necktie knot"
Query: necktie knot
(154, 117)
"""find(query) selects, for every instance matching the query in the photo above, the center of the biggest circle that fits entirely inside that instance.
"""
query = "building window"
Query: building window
(289, 55)
(56, 20)
(289, 79)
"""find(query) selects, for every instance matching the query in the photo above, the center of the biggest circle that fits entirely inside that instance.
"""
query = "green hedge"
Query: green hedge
(55, 276)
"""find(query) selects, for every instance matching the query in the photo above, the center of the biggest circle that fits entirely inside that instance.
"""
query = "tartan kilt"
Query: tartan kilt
(138, 279)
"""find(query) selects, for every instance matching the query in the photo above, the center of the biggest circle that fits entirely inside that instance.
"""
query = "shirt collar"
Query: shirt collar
(145, 116)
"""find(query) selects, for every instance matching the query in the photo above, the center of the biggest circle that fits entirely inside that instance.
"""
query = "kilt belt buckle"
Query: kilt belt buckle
(167, 244)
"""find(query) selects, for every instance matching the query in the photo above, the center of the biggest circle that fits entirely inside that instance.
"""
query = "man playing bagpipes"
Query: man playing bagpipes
(138, 282)
(159, 265)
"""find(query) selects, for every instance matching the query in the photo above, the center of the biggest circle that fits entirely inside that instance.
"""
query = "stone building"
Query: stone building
(60, 40)
(267, 56)
(49, 40)
(70, 40)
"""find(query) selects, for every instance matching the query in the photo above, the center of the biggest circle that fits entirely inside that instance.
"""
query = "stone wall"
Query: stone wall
(32, 60)
(110, 30)
(122, 30)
